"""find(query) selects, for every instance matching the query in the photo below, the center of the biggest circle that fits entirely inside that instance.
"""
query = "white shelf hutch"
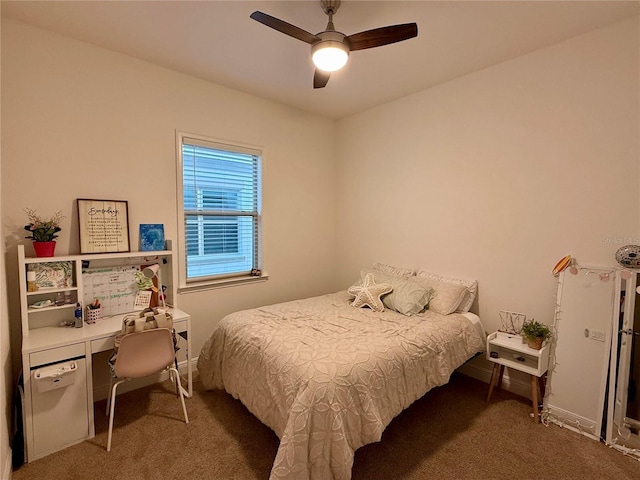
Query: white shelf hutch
(59, 416)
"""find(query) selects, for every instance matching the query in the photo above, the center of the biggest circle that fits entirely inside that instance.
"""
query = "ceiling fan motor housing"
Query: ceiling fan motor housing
(335, 42)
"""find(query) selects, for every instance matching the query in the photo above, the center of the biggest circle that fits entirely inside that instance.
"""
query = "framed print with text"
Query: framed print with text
(103, 225)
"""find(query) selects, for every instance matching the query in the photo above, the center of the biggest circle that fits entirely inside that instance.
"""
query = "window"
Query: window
(220, 214)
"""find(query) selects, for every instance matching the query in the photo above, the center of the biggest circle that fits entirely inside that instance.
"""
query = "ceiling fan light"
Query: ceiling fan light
(329, 55)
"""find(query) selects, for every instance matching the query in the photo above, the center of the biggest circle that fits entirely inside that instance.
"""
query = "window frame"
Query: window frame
(185, 284)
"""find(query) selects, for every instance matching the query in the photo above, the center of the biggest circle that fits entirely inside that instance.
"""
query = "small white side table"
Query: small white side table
(506, 350)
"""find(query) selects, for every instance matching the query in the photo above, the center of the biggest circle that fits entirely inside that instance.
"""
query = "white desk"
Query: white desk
(74, 412)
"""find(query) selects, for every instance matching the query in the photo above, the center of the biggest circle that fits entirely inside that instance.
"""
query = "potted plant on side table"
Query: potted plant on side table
(43, 232)
(535, 333)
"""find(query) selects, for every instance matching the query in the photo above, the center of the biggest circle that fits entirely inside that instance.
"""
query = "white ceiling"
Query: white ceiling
(217, 41)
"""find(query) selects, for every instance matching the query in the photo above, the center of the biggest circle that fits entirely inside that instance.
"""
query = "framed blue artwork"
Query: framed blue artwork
(151, 237)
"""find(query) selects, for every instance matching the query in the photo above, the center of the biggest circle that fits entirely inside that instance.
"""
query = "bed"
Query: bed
(328, 377)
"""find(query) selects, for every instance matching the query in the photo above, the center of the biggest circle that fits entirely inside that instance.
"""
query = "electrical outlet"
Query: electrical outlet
(597, 335)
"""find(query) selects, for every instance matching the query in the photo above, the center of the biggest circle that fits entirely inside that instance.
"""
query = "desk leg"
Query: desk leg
(534, 398)
(496, 377)
(189, 365)
(188, 392)
(500, 377)
(542, 380)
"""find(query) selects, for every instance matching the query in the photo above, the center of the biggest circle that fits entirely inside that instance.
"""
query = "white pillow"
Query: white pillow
(368, 293)
(391, 270)
(472, 288)
(446, 297)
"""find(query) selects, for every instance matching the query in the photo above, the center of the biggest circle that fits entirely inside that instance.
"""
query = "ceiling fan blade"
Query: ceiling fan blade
(320, 78)
(285, 27)
(382, 36)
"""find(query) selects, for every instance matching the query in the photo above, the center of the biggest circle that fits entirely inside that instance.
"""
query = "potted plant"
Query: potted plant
(535, 333)
(43, 232)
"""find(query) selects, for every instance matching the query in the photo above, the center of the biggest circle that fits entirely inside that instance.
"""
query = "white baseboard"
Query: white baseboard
(571, 421)
(480, 369)
(101, 392)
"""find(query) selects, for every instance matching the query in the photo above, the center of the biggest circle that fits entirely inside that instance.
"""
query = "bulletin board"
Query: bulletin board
(114, 287)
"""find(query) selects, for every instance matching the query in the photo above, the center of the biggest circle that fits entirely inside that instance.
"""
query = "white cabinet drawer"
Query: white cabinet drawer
(517, 357)
(52, 355)
(102, 344)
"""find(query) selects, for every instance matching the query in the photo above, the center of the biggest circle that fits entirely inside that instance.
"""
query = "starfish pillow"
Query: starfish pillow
(368, 294)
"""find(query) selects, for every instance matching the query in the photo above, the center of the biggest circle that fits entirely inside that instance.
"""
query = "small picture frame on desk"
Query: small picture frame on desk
(151, 237)
(103, 226)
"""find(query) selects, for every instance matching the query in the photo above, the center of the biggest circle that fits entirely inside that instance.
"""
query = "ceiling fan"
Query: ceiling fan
(330, 48)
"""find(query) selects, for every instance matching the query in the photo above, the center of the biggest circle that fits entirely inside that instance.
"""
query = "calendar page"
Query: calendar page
(114, 287)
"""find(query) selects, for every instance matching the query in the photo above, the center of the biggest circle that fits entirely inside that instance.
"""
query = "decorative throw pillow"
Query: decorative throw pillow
(368, 293)
(447, 296)
(472, 288)
(397, 271)
(407, 296)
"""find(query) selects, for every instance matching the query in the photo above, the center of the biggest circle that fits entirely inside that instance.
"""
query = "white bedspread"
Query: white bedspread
(327, 377)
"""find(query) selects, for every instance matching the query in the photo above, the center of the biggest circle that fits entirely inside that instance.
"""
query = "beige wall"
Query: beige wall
(6, 373)
(493, 176)
(497, 175)
(6, 368)
(82, 122)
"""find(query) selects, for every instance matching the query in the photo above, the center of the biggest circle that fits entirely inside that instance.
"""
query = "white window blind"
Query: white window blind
(221, 207)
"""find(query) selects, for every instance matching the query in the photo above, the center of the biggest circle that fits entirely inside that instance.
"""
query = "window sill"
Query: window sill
(223, 283)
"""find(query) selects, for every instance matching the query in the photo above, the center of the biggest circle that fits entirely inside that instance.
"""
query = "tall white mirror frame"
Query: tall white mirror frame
(579, 355)
(623, 413)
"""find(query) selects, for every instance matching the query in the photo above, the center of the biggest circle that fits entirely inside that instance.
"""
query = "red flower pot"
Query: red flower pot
(44, 249)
